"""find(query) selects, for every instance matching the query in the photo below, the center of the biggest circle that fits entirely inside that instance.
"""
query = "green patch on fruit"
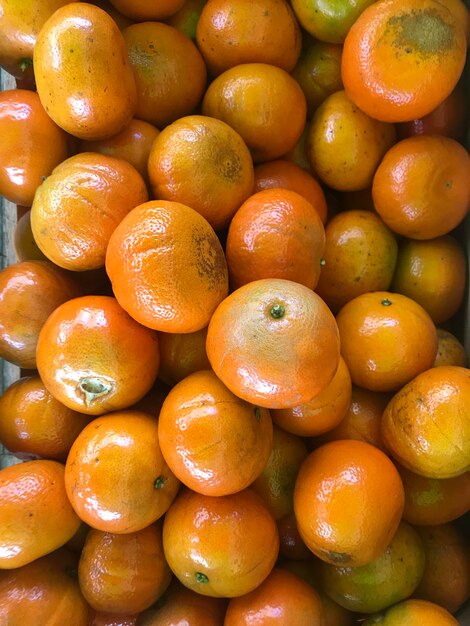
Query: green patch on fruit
(423, 32)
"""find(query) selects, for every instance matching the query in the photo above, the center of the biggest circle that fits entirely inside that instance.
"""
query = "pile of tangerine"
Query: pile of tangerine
(240, 402)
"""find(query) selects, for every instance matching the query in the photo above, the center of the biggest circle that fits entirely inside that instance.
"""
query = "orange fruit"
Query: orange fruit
(432, 501)
(362, 419)
(416, 178)
(449, 350)
(328, 22)
(426, 425)
(446, 578)
(185, 19)
(167, 267)
(33, 422)
(282, 598)
(182, 354)
(71, 218)
(141, 10)
(220, 546)
(26, 248)
(26, 128)
(169, 71)
(323, 412)
(344, 145)
(215, 443)
(276, 482)
(82, 71)
(35, 514)
(94, 358)
(291, 543)
(391, 577)
(121, 20)
(298, 153)
(433, 273)
(203, 163)
(318, 71)
(180, 605)
(20, 26)
(448, 118)
(260, 31)
(413, 613)
(328, 485)
(132, 144)
(116, 477)
(386, 340)
(102, 618)
(263, 103)
(123, 573)
(276, 233)
(29, 292)
(43, 592)
(273, 343)
(401, 59)
(289, 175)
(359, 257)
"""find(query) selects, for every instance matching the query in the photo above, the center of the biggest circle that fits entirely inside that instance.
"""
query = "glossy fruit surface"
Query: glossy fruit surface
(43, 592)
(220, 546)
(169, 71)
(77, 208)
(426, 424)
(391, 577)
(33, 422)
(46, 523)
(352, 476)
(94, 358)
(184, 276)
(269, 96)
(386, 340)
(274, 343)
(29, 292)
(83, 75)
(122, 450)
(25, 128)
(402, 59)
(263, 31)
(276, 233)
(415, 179)
(123, 573)
(414, 613)
(282, 598)
(215, 443)
(203, 163)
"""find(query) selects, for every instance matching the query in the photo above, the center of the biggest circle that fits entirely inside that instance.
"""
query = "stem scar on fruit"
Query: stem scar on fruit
(94, 387)
(277, 311)
(201, 578)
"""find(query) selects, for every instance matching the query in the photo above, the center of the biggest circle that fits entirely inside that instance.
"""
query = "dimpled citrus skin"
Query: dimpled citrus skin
(94, 358)
(220, 546)
(167, 267)
(79, 205)
(274, 343)
(426, 425)
(36, 516)
(350, 476)
(116, 477)
(83, 75)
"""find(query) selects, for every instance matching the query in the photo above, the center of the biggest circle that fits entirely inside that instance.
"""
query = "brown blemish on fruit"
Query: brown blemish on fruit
(423, 32)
